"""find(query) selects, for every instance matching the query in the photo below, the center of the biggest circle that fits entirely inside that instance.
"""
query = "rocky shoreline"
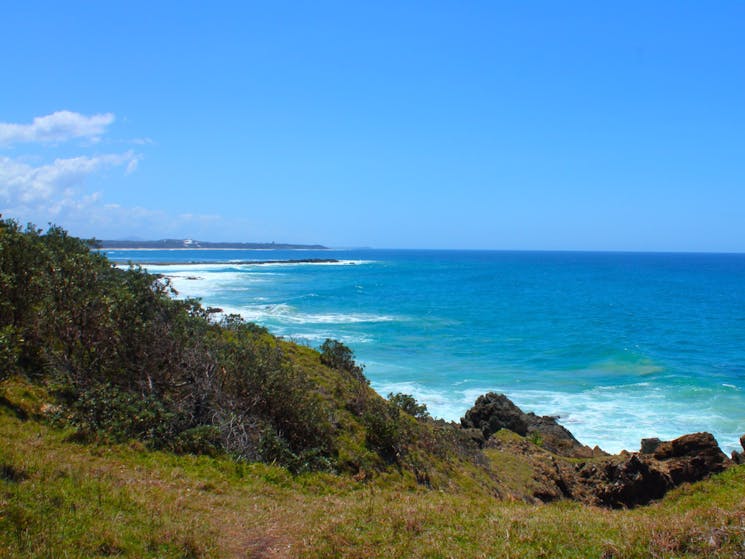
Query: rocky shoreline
(562, 467)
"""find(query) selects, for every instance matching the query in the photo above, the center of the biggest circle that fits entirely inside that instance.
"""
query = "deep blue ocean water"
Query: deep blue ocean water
(620, 346)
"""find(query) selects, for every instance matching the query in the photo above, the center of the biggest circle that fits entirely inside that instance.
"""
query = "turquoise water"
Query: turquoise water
(619, 346)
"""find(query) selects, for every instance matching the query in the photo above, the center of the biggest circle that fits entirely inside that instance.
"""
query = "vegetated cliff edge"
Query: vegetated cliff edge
(118, 358)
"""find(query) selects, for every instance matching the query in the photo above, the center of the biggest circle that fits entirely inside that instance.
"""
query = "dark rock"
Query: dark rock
(691, 457)
(624, 480)
(625, 483)
(493, 412)
(648, 446)
(629, 480)
(739, 457)
(475, 435)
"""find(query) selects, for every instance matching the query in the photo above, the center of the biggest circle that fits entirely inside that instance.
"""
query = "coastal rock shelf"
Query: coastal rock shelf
(625, 480)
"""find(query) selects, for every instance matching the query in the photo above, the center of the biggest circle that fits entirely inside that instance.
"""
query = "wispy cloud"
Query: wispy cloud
(23, 184)
(57, 127)
(59, 191)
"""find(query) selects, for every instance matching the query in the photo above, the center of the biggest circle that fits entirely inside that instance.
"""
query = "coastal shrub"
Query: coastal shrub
(408, 404)
(107, 413)
(338, 356)
(275, 449)
(9, 351)
(204, 439)
(129, 360)
(535, 437)
(383, 429)
(258, 385)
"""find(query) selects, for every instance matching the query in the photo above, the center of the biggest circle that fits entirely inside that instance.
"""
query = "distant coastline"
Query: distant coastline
(246, 262)
(190, 244)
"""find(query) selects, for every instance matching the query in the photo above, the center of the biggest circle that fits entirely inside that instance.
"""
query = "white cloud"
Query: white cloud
(37, 190)
(56, 127)
(56, 192)
(23, 184)
(132, 165)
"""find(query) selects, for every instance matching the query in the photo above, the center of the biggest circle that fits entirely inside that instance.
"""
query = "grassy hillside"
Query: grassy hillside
(65, 499)
(134, 424)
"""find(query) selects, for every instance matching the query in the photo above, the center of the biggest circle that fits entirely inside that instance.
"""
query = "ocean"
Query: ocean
(618, 346)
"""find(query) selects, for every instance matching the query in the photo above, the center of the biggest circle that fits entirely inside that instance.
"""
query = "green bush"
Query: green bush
(204, 439)
(408, 404)
(336, 355)
(275, 449)
(133, 362)
(9, 351)
(384, 432)
(107, 413)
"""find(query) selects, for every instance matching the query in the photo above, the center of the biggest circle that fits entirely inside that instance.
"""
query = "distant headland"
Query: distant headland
(192, 244)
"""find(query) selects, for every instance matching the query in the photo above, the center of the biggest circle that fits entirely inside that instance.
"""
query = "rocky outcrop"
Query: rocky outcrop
(624, 480)
(493, 412)
(739, 457)
(648, 446)
(627, 482)
(690, 458)
(636, 479)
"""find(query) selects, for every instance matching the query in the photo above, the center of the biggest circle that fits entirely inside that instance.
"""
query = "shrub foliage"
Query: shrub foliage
(128, 360)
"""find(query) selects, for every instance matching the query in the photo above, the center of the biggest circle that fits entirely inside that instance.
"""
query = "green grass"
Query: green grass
(63, 499)
(127, 360)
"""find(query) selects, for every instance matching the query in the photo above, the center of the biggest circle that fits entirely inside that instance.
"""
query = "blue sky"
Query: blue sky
(502, 125)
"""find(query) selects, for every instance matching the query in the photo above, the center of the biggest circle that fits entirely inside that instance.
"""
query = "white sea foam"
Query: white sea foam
(615, 418)
(317, 338)
(337, 318)
(204, 283)
(435, 400)
(287, 314)
(273, 263)
(284, 314)
(336, 263)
